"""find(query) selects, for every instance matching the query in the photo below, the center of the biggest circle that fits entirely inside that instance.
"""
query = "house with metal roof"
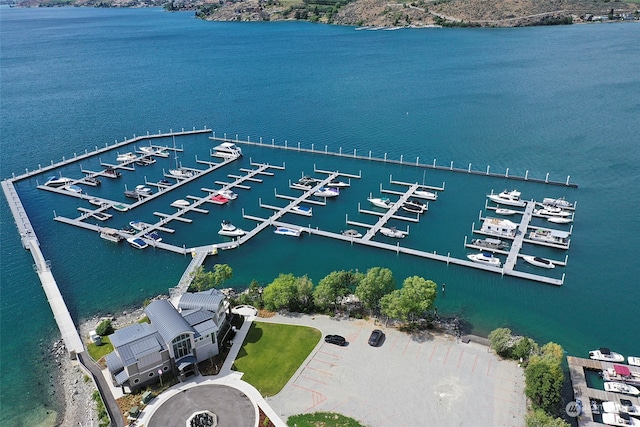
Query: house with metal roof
(176, 340)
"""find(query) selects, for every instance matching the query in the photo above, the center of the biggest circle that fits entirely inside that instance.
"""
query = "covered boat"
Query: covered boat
(180, 203)
(219, 199)
(137, 242)
(227, 194)
(414, 206)
(621, 373)
(302, 210)
(490, 243)
(288, 231)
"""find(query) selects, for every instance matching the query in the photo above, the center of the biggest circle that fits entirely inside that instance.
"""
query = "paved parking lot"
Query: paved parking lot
(407, 381)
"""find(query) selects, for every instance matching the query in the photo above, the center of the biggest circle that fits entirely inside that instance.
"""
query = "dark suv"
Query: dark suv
(375, 337)
(335, 339)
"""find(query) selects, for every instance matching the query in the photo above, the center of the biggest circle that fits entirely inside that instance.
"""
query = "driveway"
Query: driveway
(407, 381)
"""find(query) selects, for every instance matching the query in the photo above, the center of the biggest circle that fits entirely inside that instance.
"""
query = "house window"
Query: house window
(166, 368)
(150, 374)
(136, 381)
(181, 346)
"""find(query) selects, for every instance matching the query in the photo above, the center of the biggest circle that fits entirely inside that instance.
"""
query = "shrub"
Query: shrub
(104, 328)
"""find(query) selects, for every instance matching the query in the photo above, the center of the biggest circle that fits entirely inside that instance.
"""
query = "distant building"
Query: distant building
(175, 340)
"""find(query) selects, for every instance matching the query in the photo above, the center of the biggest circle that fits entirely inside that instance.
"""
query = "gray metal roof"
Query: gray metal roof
(167, 321)
(209, 300)
(114, 363)
(131, 333)
(195, 317)
(121, 377)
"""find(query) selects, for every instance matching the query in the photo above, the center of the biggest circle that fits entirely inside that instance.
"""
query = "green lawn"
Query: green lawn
(271, 354)
(97, 352)
(322, 419)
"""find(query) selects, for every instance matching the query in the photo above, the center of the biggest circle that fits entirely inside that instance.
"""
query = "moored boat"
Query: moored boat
(302, 210)
(559, 219)
(228, 194)
(338, 184)
(632, 360)
(287, 231)
(423, 194)
(551, 212)
(219, 199)
(326, 192)
(381, 202)
(181, 173)
(606, 355)
(485, 258)
(622, 419)
(622, 388)
(414, 206)
(510, 198)
(621, 373)
(96, 201)
(180, 203)
(100, 216)
(538, 262)
(139, 225)
(625, 406)
(143, 190)
(110, 234)
(556, 237)
(490, 243)
(393, 232)
(111, 173)
(230, 230)
(137, 242)
(91, 180)
(72, 188)
(125, 157)
(57, 181)
(227, 149)
(503, 211)
(558, 203)
(119, 207)
(145, 161)
(352, 233)
(132, 194)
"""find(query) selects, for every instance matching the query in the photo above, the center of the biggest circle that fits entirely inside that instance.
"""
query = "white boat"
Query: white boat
(110, 234)
(622, 419)
(428, 195)
(559, 219)
(624, 407)
(126, 157)
(485, 258)
(100, 216)
(503, 211)
(352, 233)
(606, 355)
(392, 232)
(120, 208)
(153, 235)
(558, 203)
(326, 192)
(145, 161)
(228, 149)
(551, 212)
(510, 198)
(180, 203)
(338, 184)
(57, 181)
(142, 190)
(90, 180)
(230, 230)
(550, 236)
(302, 210)
(499, 227)
(227, 194)
(139, 225)
(618, 387)
(538, 262)
(96, 201)
(111, 173)
(181, 173)
(303, 187)
(635, 361)
(621, 373)
(162, 153)
(286, 231)
(72, 188)
(381, 202)
(137, 242)
(489, 243)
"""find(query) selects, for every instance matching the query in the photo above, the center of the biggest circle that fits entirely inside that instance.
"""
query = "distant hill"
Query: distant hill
(388, 13)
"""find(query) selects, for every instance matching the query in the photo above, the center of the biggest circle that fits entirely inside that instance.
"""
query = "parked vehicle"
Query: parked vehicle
(335, 339)
(375, 337)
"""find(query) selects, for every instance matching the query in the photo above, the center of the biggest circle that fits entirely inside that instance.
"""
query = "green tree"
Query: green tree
(280, 292)
(252, 296)
(543, 383)
(203, 280)
(524, 348)
(376, 283)
(539, 418)
(501, 341)
(392, 305)
(104, 328)
(418, 295)
(553, 350)
(335, 286)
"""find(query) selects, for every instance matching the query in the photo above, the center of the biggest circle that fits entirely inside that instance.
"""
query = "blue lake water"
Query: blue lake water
(561, 100)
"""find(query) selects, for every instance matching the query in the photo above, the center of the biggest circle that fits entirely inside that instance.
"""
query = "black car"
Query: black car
(335, 339)
(375, 337)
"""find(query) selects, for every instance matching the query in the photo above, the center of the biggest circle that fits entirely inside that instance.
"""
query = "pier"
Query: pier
(401, 161)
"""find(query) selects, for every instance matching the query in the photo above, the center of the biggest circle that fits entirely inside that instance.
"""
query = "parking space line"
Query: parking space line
(319, 370)
(330, 354)
(489, 367)
(341, 403)
(433, 351)
(460, 359)
(312, 379)
(315, 359)
(406, 345)
(316, 397)
(474, 364)
(394, 342)
(445, 358)
(419, 349)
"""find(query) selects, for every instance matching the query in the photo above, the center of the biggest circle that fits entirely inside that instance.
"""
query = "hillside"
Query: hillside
(388, 13)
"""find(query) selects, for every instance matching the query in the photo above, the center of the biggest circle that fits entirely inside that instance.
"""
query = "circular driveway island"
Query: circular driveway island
(232, 407)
